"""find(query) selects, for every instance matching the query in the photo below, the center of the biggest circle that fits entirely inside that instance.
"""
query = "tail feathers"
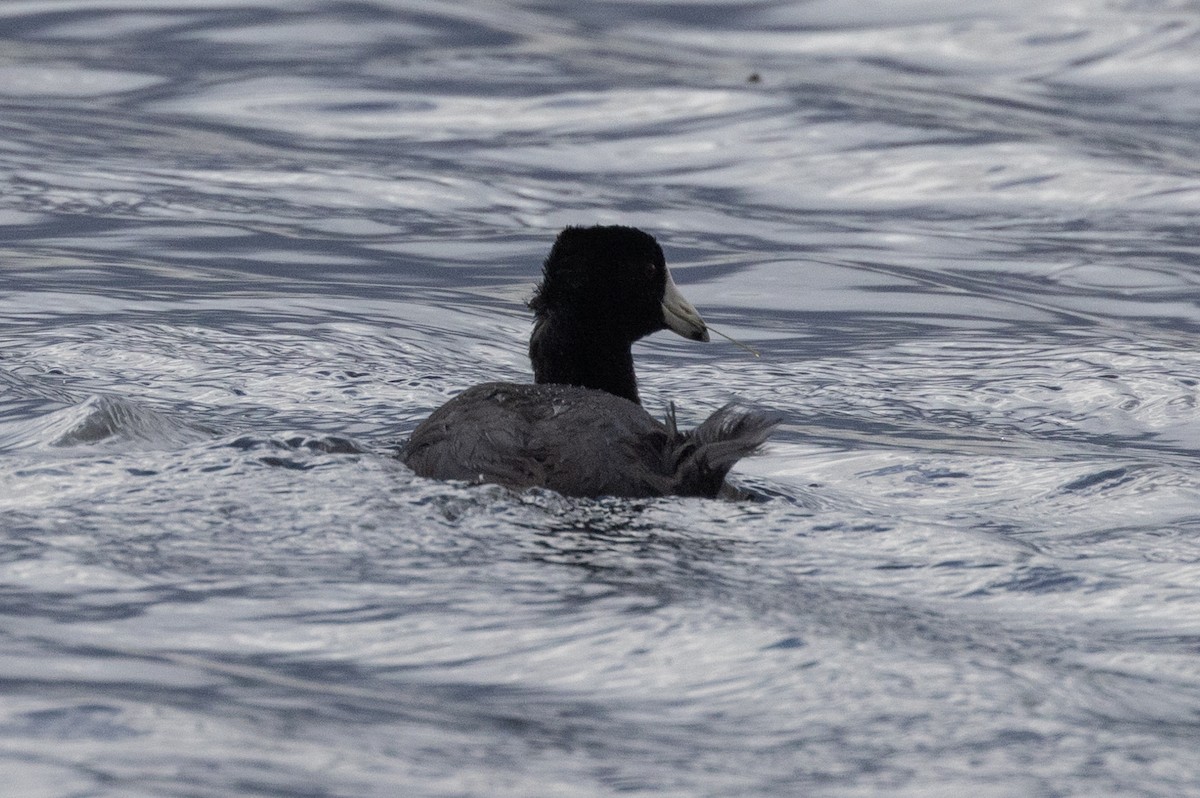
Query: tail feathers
(700, 458)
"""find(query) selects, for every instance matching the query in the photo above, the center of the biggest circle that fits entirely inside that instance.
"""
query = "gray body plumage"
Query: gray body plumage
(579, 442)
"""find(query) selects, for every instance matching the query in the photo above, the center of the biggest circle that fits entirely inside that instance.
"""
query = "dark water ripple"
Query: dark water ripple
(244, 249)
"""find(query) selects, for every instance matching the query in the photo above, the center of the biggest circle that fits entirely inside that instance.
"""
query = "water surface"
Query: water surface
(246, 247)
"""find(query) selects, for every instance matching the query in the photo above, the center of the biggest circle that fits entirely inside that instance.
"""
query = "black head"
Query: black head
(614, 281)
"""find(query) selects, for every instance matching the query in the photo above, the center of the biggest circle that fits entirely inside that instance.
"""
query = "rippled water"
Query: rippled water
(245, 247)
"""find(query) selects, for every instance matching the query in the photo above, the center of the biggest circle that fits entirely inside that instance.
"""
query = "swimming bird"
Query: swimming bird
(580, 429)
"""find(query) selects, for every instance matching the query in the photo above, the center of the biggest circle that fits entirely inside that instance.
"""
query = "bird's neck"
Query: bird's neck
(570, 354)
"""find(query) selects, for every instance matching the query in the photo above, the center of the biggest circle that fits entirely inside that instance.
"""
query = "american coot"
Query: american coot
(581, 430)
